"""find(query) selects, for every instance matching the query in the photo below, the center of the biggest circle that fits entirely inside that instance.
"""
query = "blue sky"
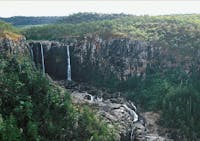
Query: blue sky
(62, 8)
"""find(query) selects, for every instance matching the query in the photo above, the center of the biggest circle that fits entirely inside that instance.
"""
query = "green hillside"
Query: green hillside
(23, 21)
(33, 108)
(175, 93)
(171, 93)
(168, 31)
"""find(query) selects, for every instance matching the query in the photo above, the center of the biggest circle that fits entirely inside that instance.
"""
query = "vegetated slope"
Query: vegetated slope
(22, 21)
(167, 31)
(8, 31)
(6, 27)
(175, 92)
(89, 17)
(34, 108)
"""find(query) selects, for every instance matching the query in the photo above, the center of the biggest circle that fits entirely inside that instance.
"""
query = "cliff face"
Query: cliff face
(27, 97)
(9, 46)
(54, 57)
(124, 58)
(95, 58)
(115, 58)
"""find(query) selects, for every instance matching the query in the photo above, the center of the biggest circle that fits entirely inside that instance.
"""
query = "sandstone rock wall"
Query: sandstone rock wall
(54, 57)
(9, 47)
(93, 58)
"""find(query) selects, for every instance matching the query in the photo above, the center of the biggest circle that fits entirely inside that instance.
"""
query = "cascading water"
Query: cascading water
(68, 65)
(31, 50)
(132, 112)
(135, 118)
(42, 54)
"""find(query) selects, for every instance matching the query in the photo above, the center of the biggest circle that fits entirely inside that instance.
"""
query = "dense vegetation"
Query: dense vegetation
(176, 94)
(6, 27)
(166, 31)
(8, 31)
(32, 108)
(22, 21)
(89, 17)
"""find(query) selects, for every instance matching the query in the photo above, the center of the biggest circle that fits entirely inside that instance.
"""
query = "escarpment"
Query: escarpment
(120, 59)
(94, 59)
(10, 46)
(129, 79)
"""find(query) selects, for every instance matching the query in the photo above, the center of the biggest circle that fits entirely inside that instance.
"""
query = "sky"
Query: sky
(63, 8)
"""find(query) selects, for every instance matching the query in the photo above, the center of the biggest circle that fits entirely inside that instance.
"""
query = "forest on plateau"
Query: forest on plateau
(34, 108)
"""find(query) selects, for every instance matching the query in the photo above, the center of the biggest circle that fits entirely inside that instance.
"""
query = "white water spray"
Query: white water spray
(68, 65)
(135, 118)
(42, 54)
(132, 113)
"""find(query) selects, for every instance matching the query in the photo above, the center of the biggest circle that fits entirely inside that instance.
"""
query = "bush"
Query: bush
(35, 109)
(9, 130)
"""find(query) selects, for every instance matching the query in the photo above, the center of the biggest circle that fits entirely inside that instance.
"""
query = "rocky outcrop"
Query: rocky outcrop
(10, 47)
(115, 114)
(114, 110)
(118, 113)
(114, 59)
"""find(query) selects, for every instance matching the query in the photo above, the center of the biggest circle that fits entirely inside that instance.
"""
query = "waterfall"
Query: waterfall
(132, 112)
(31, 50)
(135, 119)
(68, 65)
(42, 54)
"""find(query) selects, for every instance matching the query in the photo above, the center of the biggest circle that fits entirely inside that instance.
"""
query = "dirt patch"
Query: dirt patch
(153, 128)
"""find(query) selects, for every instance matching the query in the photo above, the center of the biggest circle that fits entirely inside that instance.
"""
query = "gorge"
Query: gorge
(118, 59)
(130, 59)
(112, 77)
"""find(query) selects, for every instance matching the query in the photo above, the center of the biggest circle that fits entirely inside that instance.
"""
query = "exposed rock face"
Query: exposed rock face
(114, 58)
(125, 58)
(118, 113)
(94, 58)
(9, 47)
(113, 113)
(113, 110)
(54, 57)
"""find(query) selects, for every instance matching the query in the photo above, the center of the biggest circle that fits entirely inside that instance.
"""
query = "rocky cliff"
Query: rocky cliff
(93, 58)
(34, 108)
(122, 115)
(107, 58)
(10, 46)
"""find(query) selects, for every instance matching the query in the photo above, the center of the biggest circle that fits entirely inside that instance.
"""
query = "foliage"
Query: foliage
(8, 31)
(9, 130)
(181, 104)
(6, 27)
(89, 17)
(176, 96)
(174, 93)
(166, 31)
(22, 21)
(33, 108)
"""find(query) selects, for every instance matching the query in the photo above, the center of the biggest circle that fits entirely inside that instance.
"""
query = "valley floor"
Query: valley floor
(140, 127)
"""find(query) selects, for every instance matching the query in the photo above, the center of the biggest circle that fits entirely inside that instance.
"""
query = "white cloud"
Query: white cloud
(61, 8)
